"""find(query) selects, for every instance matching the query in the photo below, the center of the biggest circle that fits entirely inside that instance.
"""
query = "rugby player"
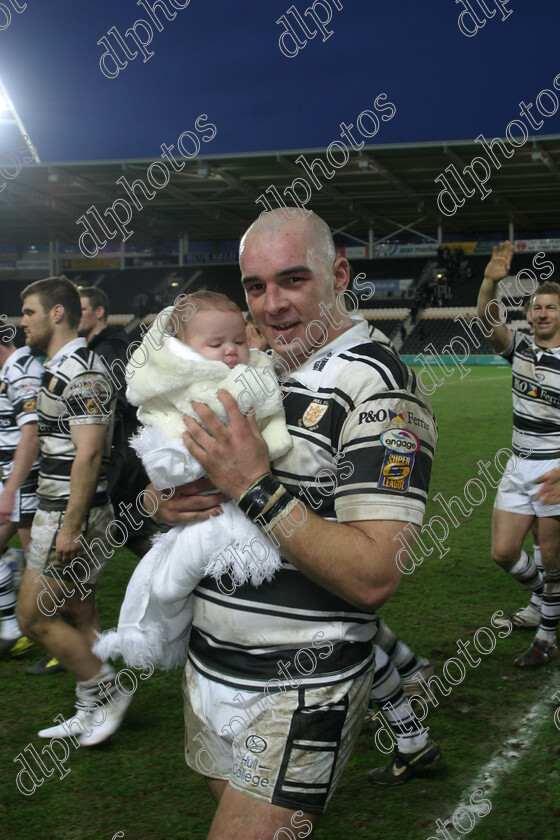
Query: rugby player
(398, 671)
(75, 408)
(347, 400)
(535, 362)
(20, 379)
(529, 617)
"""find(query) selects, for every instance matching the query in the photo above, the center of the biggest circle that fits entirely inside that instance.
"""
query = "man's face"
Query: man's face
(36, 323)
(546, 318)
(89, 320)
(286, 280)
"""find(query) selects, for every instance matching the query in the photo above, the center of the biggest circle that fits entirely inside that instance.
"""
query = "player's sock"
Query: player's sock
(10, 628)
(404, 659)
(536, 600)
(387, 692)
(527, 573)
(550, 610)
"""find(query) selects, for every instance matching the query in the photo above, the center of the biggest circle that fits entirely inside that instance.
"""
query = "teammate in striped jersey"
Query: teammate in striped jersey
(20, 380)
(293, 660)
(529, 617)
(75, 407)
(535, 362)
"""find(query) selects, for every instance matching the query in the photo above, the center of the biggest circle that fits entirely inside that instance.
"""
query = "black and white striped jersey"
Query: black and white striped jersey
(363, 442)
(536, 397)
(20, 380)
(75, 391)
(377, 335)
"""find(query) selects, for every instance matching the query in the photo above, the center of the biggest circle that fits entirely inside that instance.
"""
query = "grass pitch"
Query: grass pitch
(137, 786)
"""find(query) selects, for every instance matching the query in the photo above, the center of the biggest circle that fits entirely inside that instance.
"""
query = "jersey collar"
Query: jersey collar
(311, 378)
(65, 351)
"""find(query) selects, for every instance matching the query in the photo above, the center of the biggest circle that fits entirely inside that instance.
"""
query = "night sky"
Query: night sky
(223, 59)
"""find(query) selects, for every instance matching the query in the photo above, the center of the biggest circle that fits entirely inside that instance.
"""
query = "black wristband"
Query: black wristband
(266, 502)
(259, 495)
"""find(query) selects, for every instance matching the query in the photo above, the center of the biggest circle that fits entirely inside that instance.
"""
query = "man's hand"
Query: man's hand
(67, 545)
(549, 494)
(7, 500)
(185, 505)
(233, 456)
(499, 264)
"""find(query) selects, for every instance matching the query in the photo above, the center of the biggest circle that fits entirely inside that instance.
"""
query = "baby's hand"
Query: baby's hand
(188, 503)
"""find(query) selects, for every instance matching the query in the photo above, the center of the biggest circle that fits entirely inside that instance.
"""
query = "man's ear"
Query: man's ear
(57, 313)
(341, 271)
(100, 313)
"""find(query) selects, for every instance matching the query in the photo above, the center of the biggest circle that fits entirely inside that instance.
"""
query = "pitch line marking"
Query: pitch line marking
(509, 753)
(482, 379)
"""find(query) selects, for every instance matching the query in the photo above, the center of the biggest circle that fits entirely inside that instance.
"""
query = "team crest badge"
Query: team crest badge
(314, 412)
(29, 405)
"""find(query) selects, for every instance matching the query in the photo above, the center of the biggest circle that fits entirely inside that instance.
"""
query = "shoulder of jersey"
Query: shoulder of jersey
(366, 365)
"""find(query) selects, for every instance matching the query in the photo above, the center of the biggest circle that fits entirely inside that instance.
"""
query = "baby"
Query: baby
(191, 351)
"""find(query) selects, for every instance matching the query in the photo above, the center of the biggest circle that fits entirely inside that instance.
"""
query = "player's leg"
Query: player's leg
(50, 630)
(48, 664)
(508, 532)
(415, 751)
(242, 817)
(47, 590)
(82, 614)
(101, 706)
(217, 787)
(9, 630)
(529, 617)
(513, 515)
(550, 554)
(536, 545)
(407, 663)
(544, 647)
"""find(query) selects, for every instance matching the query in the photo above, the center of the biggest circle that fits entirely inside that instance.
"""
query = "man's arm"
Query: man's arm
(89, 440)
(24, 456)
(496, 270)
(356, 561)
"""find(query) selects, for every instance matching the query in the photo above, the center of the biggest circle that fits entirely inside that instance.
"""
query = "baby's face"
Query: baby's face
(219, 336)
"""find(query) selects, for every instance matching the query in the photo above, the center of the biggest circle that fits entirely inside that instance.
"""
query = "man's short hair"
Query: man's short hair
(549, 287)
(57, 290)
(96, 297)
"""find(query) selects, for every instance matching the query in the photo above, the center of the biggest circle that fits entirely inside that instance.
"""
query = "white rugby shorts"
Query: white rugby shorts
(517, 489)
(288, 748)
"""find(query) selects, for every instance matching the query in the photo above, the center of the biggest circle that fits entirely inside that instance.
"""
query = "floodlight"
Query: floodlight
(13, 118)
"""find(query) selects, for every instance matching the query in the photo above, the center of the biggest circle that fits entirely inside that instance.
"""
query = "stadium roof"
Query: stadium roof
(381, 187)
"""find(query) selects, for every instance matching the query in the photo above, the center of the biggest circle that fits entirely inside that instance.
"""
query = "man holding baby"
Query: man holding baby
(348, 401)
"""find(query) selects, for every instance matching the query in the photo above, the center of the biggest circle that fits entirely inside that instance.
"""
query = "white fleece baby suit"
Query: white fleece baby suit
(165, 377)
